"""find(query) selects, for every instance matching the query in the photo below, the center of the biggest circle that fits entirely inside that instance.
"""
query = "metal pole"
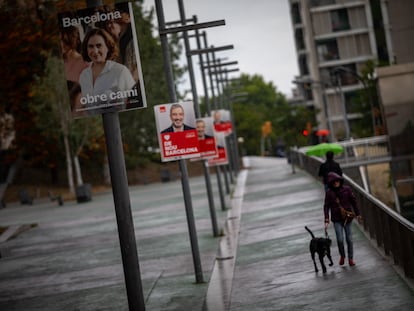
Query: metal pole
(220, 86)
(236, 166)
(182, 163)
(327, 114)
(203, 72)
(217, 98)
(197, 112)
(220, 188)
(122, 204)
(367, 89)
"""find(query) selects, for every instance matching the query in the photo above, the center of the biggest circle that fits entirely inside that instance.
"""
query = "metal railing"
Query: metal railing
(393, 233)
(363, 151)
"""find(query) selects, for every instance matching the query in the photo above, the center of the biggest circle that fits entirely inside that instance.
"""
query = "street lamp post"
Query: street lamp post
(366, 87)
(342, 95)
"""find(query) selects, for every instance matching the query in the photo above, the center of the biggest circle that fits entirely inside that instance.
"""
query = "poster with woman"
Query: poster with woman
(177, 133)
(101, 59)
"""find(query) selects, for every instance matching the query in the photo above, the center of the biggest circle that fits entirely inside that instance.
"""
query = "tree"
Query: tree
(54, 122)
(264, 103)
(29, 44)
(138, 127)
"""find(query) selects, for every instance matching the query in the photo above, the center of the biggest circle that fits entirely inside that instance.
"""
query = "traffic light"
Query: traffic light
(266, 128)
(307, 131)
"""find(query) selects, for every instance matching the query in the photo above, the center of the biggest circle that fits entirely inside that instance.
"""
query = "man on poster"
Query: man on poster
(206, 139)
(201, 130)
(178, 140)
(177, 120)
(222, 122)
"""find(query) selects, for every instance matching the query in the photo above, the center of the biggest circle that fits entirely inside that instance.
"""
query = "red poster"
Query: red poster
(221, 158)
(222, 121)
(177, 131)
(208, 148)
(206, 138)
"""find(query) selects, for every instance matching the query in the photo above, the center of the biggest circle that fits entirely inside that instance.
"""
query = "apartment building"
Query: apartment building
(335, 41)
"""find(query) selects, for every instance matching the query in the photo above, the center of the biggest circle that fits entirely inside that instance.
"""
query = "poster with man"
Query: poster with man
(206, 138)
(221, 158)
(222, 121)
(101, 59)
(177, 133)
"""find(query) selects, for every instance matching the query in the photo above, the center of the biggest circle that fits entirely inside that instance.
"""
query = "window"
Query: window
(340, 20)
(327, 50)
(347, 75)
(296, 13)
(300, 43)
(352, 102)
(303, 65)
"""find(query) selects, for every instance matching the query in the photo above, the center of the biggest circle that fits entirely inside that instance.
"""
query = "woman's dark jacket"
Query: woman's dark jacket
(344, 194)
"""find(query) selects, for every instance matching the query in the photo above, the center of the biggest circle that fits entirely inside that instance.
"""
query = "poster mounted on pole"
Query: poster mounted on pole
(222, 154)
(101, 60)
(177, 133)
(206, 138)
(222, 121)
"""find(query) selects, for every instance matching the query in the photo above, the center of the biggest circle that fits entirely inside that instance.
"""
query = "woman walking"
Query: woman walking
(337, 196)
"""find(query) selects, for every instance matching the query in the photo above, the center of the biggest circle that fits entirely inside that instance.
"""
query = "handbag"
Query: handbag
(347, 215)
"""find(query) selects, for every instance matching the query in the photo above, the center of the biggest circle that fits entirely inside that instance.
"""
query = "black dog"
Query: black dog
(321, 246)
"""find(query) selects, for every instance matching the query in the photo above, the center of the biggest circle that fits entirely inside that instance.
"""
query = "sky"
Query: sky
(260, 30)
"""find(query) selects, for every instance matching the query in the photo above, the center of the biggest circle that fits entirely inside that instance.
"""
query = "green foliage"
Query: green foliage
(264, 103)
(36, 93)
(138, 126)
(49, 106)
(366, 102)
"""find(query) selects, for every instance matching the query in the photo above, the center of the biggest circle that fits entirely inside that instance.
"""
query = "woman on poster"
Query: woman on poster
(103, 83)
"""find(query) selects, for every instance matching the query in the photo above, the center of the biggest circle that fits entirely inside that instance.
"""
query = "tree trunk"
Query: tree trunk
(79, 180)
(69, 164)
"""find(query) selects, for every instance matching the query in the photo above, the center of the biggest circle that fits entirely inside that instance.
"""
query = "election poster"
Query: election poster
(222, 154)
(222, 121)
(206, 138)
(177, 133)
(101, 60)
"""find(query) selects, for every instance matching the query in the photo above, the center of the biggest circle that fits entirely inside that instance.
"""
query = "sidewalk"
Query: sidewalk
(71, 260)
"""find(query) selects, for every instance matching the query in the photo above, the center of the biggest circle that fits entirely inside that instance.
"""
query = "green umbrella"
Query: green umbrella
(320, 150)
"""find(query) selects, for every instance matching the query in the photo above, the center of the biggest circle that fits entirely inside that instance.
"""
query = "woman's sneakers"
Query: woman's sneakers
(350, 261)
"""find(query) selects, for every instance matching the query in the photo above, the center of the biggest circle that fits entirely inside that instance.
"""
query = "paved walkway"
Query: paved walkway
(274, 270)
(71, 260)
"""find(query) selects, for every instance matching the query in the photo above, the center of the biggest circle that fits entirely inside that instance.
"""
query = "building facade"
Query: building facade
(336, 41)
(346, 48)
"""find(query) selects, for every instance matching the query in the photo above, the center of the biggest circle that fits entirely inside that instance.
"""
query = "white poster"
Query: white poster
(101, 60)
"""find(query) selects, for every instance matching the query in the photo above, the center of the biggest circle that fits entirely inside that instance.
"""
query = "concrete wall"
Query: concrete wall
(396, 87)
(400, 13)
